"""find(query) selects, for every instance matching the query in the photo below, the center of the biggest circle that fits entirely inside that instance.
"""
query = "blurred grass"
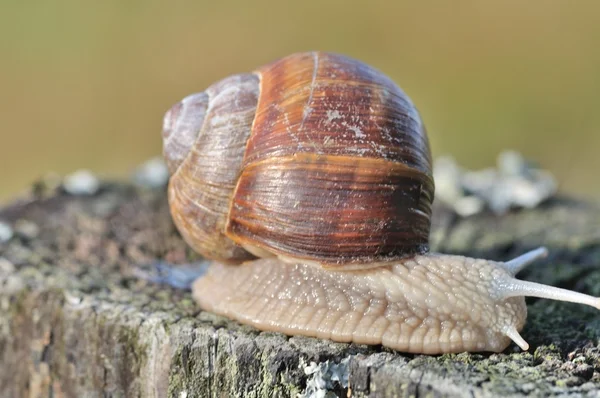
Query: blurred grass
(85, 84)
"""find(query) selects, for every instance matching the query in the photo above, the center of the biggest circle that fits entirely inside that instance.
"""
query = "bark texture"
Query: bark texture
(77, 320)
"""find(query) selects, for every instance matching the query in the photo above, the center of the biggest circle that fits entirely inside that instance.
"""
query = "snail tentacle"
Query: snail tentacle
(517, 264)
(516, 338)
(511, 287)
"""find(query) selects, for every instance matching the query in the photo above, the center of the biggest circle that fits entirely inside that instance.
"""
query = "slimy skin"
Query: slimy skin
(430, 304)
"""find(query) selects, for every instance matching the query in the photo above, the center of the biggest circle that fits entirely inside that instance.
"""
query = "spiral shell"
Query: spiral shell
(315, 156)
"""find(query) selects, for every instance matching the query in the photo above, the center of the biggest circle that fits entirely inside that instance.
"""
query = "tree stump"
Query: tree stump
(76, 320)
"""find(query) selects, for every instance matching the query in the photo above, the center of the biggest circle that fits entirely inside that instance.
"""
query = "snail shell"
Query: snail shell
(316, 157)
(320, 164)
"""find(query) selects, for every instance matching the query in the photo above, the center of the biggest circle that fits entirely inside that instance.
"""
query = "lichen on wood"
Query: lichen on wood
(76, 319)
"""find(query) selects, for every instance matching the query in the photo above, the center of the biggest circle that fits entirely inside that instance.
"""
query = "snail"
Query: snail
(308, 185)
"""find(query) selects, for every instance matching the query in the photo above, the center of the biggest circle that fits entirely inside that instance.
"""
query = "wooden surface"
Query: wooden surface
(77, 321)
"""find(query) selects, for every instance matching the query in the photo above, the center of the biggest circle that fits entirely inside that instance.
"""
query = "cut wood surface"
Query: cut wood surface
(76, 320)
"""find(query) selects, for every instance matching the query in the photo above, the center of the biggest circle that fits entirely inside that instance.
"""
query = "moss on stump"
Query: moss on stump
(75, 320)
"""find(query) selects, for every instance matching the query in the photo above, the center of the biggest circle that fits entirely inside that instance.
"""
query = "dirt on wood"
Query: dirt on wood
(77, 320)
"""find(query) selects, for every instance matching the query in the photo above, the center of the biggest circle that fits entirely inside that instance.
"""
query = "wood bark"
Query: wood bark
(76, 319)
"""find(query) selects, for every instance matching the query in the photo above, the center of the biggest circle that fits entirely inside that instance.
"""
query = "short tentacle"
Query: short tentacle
(515, 265)
(517, 338)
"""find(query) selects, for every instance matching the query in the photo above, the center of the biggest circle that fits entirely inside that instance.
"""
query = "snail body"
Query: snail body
(308, 183)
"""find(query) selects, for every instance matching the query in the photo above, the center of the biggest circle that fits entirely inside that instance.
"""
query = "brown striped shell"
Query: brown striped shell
(316, 156)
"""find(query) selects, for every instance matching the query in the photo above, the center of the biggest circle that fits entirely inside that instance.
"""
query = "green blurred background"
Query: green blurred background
(85, 84)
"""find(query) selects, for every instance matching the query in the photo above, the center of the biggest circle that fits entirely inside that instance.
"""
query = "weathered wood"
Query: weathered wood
(75, 320)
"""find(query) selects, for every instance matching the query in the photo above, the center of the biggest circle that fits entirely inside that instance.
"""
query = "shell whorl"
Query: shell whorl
(204, 171)
(181, 126)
